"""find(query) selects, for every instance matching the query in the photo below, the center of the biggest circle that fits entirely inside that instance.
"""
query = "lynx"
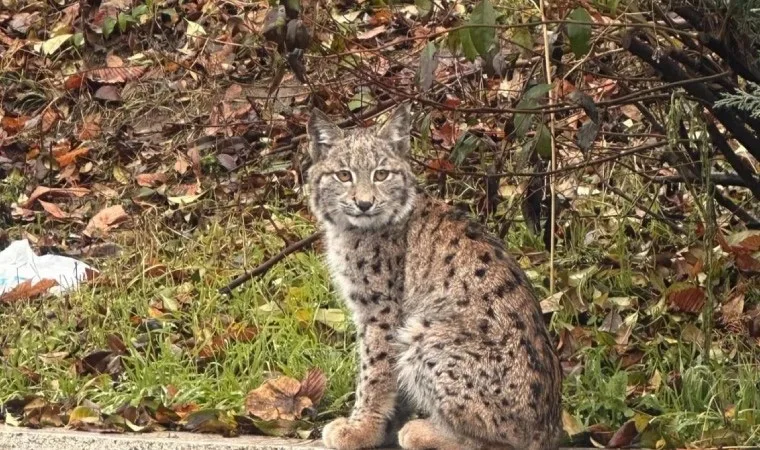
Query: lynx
(448, 325)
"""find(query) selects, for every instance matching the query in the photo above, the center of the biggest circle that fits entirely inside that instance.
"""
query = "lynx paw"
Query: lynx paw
(342, 434)
(423, 435)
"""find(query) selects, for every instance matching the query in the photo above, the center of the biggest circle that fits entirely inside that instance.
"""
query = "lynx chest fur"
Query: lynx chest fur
(448, 325)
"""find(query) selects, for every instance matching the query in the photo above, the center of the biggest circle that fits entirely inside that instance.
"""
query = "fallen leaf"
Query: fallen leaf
(69, 157)
(54, 210)
(13, 124)
(571, 424)
(181, 165)
(114, 61)
(369, 34)
(90, 128)
(334, 318)
(49, 118)
(731, 313)
(108, 93)
(210, 421)
(624, 436)
(105, 220)
(73, 82)
(195, 159)
(55, 192)
(27, 290)
(114, 75)
(83, 417)
(52, 45)
(20, 22)
(151, 179)
(277, 399)
(686, 298)
(313, 385)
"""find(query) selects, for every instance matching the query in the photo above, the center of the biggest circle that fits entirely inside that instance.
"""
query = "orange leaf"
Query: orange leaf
(106, 219)
(13, 124)
(151, 179)
(27, 290)
(747, 263)
(46, 191)
(54, 210)
(313, 385)
(686, 298)
(90, 128)
(112, 75)
(73, 82)
(69, 157)
(49, 118)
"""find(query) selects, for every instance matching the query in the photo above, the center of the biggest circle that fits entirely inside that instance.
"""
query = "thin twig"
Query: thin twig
(268, 264)
(552, 182)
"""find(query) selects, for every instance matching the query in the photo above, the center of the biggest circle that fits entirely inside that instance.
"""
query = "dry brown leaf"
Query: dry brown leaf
(55, 192)
(686, 298)
(108, 93)
(181, 165)
(114, 61)
(151, 179)
(54, 210)
(747, 263)
(731, 314)
(49, 118)
(13, 124)
(219, 62)
(369, 34)
(747, 240)
(27, 290)
(113, 75)
(69, 157)
(277, 399)
(624, 436)
(74, 82)
(195, 159)
(314, 385)
(106, 219)
(90, 128)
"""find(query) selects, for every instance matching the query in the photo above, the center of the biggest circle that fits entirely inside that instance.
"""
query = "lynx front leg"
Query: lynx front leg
(375, 394)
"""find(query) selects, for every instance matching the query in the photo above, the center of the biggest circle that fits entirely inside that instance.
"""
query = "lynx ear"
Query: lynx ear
(398, 128)
(323, 134)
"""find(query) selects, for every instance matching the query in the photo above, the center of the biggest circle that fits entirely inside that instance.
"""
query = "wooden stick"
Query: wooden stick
(268, 264)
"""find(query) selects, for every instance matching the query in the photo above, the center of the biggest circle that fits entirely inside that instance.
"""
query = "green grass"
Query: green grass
(166, 322)
(280, 305)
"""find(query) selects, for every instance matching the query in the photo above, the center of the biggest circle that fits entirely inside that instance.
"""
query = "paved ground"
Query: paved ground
(13, 438)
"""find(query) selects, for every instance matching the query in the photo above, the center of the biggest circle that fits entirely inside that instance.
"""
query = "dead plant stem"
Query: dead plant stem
(552, 184)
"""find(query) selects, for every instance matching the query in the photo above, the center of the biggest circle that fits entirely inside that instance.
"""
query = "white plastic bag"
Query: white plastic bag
(18, 263)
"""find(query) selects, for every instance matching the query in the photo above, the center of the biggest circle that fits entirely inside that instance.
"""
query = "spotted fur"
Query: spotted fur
(448, 325)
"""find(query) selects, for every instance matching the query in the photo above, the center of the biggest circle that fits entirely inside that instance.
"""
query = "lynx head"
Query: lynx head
(361, 178)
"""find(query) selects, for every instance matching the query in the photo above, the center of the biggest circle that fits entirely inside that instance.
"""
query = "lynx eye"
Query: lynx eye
(343, 175)
(381, 175)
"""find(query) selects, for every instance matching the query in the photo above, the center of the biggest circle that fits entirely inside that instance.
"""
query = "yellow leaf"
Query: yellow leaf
(53, 44)
(333, 318)
(195, 29)
(121, 175)
(571, 424)
(183, 200)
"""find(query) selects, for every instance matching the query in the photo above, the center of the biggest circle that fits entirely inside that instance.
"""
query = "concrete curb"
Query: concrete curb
(16, 438)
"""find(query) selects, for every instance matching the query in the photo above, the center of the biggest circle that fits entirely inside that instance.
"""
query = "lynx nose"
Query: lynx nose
(363, 205)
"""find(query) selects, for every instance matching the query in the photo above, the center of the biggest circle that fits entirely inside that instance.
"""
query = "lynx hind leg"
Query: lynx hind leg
(468, 388)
